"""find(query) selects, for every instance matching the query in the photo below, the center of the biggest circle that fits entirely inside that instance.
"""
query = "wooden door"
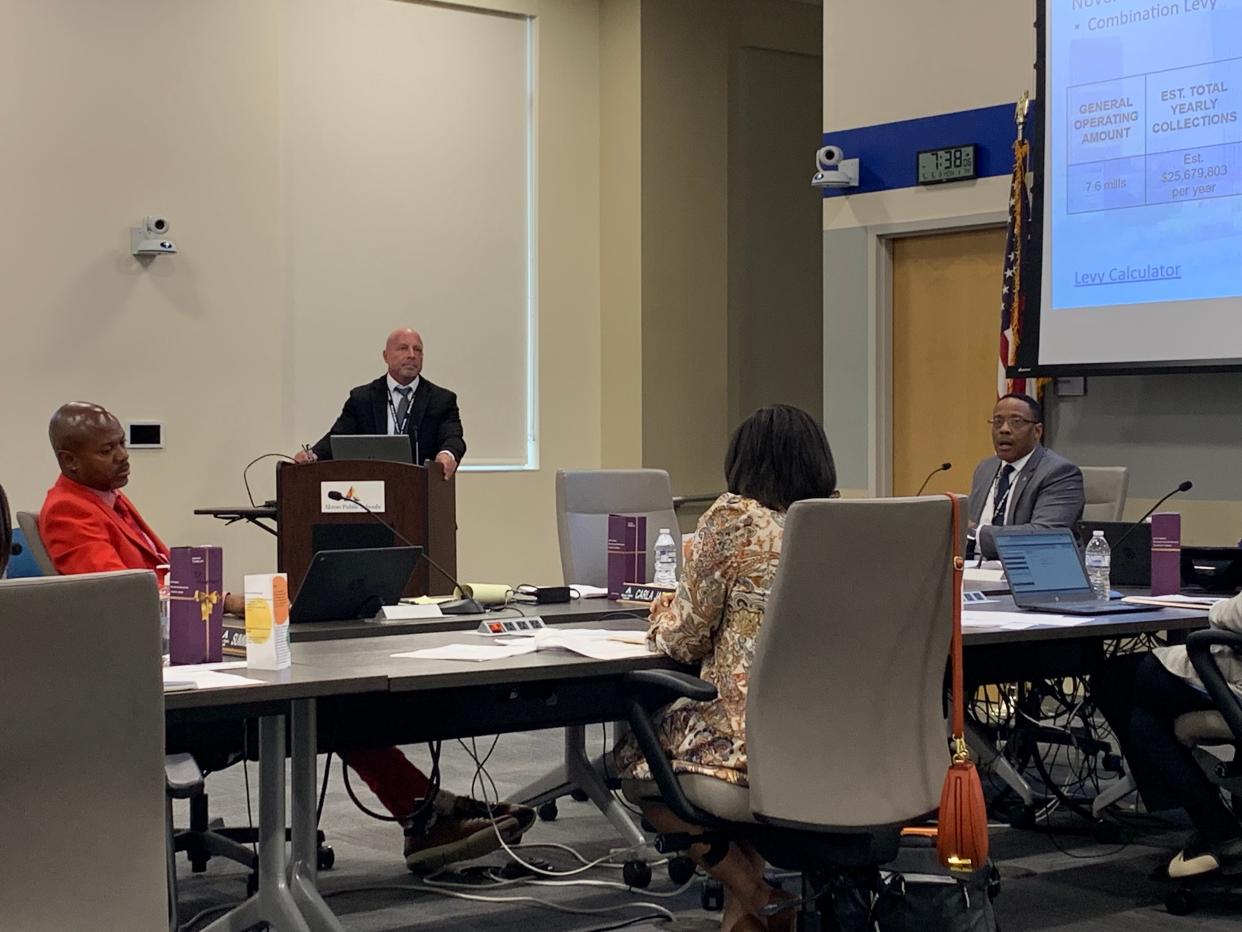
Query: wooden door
(946, 328)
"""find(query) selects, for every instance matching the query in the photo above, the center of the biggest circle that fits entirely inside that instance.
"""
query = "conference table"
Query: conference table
(421, 700)
(346, 671)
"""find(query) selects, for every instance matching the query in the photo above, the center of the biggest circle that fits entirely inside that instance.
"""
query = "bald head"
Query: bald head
(403, 354)
(89, 444)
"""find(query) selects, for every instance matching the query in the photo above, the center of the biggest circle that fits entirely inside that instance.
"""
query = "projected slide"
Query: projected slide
(1143, 169)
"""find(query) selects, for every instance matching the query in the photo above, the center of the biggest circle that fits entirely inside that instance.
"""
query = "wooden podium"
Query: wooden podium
(416, 501)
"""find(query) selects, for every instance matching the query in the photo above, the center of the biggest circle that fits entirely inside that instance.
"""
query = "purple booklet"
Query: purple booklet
(196, 612)
(1166, 553)
(627, 552)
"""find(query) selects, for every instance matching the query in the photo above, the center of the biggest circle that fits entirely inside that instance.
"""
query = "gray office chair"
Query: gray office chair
(1104, 489)
(28, 521)
(584, 500)
(845, 731)
(82, 732)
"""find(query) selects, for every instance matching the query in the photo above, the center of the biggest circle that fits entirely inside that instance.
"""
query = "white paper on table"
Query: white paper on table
(596, 643)
(982, 574)
(1020, 620)
(471, 652)
(1173, 601)
(176, 678)
(199, 667)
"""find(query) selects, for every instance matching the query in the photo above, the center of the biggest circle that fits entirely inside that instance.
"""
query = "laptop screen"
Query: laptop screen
(1044, 561)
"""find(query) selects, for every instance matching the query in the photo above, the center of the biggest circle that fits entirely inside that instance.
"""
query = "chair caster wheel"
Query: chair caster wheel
(1023, 817)
(636, 874)
(325, 857)
(578, 796)
(547, 812)
(1106, 832)
(711, 896)
(1180, 903)
(680, 870)
(252, 883)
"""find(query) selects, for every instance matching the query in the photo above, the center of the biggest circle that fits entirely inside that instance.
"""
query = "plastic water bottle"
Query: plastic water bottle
(1098, 560)
(665, 559)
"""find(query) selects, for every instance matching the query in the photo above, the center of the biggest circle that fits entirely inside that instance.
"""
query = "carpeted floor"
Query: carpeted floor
(1052, 879)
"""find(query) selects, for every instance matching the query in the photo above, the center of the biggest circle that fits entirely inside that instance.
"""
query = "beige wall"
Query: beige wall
(198, 340)
(687, 48)
(150, 107)
(621, 272)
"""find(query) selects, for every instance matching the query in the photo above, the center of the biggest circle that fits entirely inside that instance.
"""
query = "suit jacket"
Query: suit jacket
(434, 418)
(83, 535)
(1047, 493)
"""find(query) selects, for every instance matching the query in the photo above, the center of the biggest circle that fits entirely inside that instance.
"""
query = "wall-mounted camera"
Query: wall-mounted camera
(151, 239)
(834, 169)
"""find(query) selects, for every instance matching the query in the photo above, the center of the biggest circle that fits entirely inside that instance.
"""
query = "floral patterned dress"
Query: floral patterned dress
(714, 620)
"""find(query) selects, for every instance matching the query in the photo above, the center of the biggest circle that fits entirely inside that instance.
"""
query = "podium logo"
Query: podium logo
(369, 492)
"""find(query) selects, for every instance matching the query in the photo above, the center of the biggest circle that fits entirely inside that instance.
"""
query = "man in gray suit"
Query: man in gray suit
(1024, 484)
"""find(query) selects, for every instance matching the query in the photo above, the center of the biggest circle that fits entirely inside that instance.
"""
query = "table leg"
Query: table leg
(273, 904)
(304, 860)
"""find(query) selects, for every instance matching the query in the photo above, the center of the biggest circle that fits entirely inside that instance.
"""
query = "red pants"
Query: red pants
(397, 783)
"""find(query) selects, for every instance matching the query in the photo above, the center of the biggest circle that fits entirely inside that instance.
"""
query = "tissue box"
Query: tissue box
(267, 621)
(627, 552)
(196, 609)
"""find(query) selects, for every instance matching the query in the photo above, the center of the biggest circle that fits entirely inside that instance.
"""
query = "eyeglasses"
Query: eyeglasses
(1014, 421)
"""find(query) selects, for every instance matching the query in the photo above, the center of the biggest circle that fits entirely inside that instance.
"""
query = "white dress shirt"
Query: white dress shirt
(989, 504)
(395, 397)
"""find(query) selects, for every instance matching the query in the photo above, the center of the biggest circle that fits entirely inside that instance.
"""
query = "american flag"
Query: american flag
(1013, 297)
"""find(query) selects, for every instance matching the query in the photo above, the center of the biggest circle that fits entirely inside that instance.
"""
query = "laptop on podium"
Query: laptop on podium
(1045, 573)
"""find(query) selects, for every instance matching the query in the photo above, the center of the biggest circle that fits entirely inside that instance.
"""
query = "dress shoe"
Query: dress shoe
(1199, 858)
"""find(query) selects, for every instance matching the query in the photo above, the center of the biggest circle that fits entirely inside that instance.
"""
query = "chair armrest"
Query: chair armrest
(1199, 648)
(647, 691)
(657, 688)
(182, 777)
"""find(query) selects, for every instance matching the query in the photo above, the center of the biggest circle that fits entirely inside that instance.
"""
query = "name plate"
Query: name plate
(369, 492)
(642, 592)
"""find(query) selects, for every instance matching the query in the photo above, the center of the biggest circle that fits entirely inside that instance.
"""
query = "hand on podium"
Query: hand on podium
(305, 455)
(449, 461)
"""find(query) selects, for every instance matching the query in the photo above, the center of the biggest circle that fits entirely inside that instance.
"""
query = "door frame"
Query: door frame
(880, 330)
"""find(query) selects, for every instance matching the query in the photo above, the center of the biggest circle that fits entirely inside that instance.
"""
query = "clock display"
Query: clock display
(952, 163)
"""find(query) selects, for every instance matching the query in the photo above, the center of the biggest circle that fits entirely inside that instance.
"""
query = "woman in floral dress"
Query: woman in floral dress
(778, 456)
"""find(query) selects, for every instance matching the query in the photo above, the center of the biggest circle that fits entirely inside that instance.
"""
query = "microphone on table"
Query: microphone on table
(943, 467)
(1185, 486)
(466, 606)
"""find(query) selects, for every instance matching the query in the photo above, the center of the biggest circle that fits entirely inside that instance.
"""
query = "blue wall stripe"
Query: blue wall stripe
(889, 150)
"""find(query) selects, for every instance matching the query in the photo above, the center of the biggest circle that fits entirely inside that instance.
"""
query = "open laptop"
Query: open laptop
(392, 448)
(1045, 573)
(1131, 562)
(341, 584)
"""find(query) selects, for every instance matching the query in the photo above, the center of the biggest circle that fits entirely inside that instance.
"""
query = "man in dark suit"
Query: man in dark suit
(401, 402)
(1024, 484)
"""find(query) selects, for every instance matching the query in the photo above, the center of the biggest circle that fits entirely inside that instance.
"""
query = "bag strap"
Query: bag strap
(958, 698)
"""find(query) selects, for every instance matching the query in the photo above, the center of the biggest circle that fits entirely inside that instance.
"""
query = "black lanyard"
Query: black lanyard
(400, 426)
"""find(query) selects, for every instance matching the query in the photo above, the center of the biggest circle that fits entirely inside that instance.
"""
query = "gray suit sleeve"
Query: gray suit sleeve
(1059, 503)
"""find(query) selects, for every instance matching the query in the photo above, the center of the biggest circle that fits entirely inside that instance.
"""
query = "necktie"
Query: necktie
(403, 409)
(1001, 497)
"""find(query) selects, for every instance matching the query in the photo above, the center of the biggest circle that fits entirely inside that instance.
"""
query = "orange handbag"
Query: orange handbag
(962, 837)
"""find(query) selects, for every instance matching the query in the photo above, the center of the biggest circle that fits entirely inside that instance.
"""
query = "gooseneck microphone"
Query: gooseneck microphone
(1185, 486)
(464, 606)
(943, 467)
